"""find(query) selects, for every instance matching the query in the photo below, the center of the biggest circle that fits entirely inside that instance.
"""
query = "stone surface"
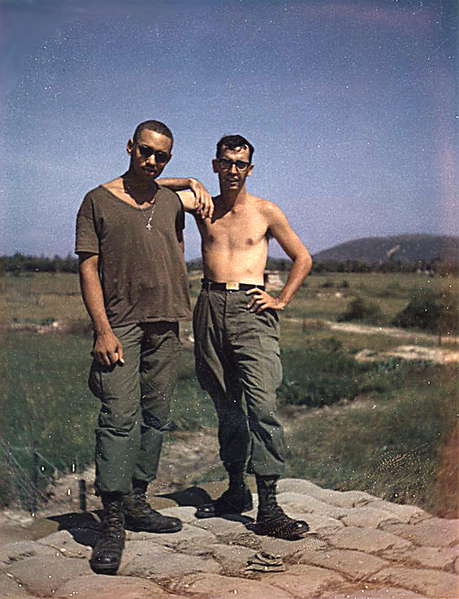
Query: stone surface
(435, 532)
(160, 567)
(111, 587)
(432, 557)
(185, 513)
(431, 583)
(323, 524)
(369, 540)
(358, 547)
(346, 499)
(405, 513)
(232, 558)
(19, 550)
(43, 575)
(188, 536)
(289, 550)
(305, 581)
(373, 593)
(355, 564)
(11, 589)
(369, 517)
(304, 504)
(65, 542)
(221, 587)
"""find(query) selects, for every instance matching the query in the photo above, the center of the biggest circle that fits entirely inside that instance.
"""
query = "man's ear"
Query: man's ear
(130, 146)
(249, 170)
(215, 165)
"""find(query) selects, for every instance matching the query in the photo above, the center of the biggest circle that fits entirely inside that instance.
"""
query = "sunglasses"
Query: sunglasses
(226, 164)
(146, 152)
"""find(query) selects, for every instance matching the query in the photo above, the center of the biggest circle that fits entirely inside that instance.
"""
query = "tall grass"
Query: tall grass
(388, 443)
(45, 399)
(323, 373)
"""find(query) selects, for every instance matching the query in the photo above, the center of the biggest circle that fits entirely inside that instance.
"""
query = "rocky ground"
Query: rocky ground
(358, 547)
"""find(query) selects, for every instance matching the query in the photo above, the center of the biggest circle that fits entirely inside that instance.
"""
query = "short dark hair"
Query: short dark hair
(153, 126)
(235, 141)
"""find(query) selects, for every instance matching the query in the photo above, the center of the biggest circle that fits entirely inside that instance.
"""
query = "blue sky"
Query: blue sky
(350, 105)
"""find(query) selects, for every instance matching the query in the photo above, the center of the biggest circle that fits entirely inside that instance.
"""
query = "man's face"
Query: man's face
(149, 154)
(233, 167)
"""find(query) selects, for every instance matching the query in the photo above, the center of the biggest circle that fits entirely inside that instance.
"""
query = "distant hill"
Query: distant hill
(408, 248)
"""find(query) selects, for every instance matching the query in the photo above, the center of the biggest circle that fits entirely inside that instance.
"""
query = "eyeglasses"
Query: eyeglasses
(146, 152)
(227, 165)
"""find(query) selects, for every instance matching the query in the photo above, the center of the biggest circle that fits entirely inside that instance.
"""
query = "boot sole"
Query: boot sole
(108, 570)
(219, 513)
(134, 528)
(290, 530)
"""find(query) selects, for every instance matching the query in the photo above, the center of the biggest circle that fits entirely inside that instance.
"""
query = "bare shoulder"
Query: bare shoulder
(270, 211)
(114, 183)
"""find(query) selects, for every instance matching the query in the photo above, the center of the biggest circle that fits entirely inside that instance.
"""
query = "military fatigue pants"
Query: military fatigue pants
(237, 358)
(135, 406)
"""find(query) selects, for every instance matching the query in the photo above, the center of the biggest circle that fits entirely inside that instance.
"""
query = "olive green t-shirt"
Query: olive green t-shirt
(142, 271)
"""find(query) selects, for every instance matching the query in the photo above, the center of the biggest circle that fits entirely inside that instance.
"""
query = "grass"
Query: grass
(390, 444)
(324, 295)
(388, 440)
(42, 296)
(45, 399)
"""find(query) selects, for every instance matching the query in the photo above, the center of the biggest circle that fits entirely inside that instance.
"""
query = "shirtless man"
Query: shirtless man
(236, 331)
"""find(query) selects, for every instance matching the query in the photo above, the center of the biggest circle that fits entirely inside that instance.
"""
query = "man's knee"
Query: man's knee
(121, 421)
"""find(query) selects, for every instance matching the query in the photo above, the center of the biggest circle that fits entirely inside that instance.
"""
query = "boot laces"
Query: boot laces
(142, 504)
(112, 526)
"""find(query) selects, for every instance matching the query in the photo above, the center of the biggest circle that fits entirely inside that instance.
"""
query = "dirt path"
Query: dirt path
(364, 329)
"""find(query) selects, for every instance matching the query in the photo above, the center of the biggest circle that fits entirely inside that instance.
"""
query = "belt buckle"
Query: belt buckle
(232, 286)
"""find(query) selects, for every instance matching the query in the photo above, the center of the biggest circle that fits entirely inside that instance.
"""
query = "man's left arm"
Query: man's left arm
(197, 201)
(294, 248)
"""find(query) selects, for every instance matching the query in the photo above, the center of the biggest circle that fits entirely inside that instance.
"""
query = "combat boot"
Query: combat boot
(106, 556)
(272, 521)
(140, 516)
(235, 500)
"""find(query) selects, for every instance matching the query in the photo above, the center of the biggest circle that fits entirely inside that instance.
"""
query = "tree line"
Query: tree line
(20, 263)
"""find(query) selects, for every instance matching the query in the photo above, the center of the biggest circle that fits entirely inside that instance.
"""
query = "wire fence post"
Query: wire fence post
(10, 467)
(35, 491)
(82, 489)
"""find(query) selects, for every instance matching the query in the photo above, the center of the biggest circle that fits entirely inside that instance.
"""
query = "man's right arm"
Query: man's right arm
(198, 201)
(107, 348)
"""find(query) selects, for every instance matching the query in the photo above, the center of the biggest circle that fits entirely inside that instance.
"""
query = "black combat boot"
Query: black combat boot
(140, 516)
(235, 500)
(106, 556)
(271, 518)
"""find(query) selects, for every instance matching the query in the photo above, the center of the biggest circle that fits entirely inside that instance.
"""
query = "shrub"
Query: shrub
(362, 309)
(327, 284)
(436, 312)
(394, 289)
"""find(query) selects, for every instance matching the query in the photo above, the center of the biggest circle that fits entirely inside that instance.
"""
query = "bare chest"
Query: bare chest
(235, 230)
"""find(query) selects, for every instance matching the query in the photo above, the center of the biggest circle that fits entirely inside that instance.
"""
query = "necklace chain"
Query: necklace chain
(152, 203)
(148, 225)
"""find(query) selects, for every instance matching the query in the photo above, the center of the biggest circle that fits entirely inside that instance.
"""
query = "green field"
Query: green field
(383, 427)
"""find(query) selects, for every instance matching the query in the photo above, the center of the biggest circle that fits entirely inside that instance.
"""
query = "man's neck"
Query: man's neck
(140, 191)
(231, 199)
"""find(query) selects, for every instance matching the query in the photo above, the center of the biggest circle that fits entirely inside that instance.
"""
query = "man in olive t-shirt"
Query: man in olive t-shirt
(134, 285)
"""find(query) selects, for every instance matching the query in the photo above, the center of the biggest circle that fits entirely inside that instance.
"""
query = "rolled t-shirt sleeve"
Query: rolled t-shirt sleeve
(180, 220)
(86, 239)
